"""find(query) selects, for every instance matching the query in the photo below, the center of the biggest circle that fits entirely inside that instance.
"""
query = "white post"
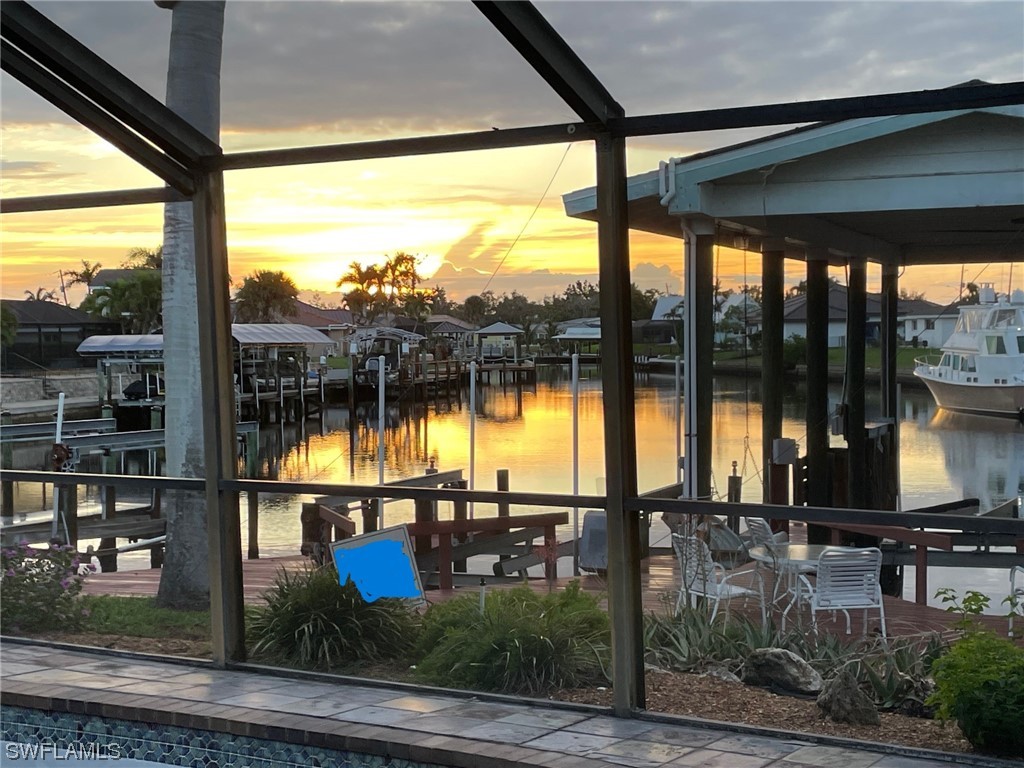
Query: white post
(679, 420)
(689, 351)
(576, 462)
(380, 430)
(58, 436)
(472, 431)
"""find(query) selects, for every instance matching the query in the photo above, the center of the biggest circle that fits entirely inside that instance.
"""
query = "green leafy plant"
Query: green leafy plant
(980, 684)
(312, 621)
(39, 588)
(972, 604)
(521, 642)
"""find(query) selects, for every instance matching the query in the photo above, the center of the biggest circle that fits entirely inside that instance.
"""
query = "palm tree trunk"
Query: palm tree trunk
(193, 91)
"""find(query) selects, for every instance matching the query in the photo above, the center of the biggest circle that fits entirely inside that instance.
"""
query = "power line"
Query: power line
(532, 214)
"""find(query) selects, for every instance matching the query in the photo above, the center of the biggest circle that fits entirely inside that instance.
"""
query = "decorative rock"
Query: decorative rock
(843, 701)
(782, 669)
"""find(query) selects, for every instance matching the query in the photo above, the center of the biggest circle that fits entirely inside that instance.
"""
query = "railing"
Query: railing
(43, 373)
(636, 504)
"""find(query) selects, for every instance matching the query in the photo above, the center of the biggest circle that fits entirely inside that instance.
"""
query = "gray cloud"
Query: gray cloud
(31, 169)
(410, 68)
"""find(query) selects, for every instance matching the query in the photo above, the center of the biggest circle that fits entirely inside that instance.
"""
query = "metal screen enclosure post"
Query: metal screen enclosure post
(216, 366)
(624, 595)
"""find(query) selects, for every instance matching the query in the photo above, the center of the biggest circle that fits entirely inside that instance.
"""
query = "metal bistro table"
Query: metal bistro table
(789, 561)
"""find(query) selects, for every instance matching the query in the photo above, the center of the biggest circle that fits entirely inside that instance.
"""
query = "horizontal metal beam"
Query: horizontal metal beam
(143, 482)
(101, 83)
(421, 145)
(830, 515)
(823, 110)
(104, 199)
(1000, 560)
(47, 430)
(553, 58)
(93, 117)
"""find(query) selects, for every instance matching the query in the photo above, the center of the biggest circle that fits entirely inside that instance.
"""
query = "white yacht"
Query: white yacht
(982, 365)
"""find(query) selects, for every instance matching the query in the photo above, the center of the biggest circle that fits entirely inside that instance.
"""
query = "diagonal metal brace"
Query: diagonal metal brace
(538, 42)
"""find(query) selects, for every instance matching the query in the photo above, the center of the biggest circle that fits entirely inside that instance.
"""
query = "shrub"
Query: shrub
(521, 642)
(980, 684)
(39, 588)
(312, 621)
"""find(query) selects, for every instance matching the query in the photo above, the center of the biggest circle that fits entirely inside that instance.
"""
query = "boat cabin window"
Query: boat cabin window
(996, 345)
(1020, 344)
(945, 362)
(967, 364)
(1003, 318)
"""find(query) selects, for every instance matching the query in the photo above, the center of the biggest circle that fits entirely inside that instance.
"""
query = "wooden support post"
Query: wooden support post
(424, 511)
(460, 513)
(253, 504)
(773, 263)
(108, 562)
(502, 485)
(704, 336)
(856, 439)
(503, 510)
(817, 423)
(371, 514)
(69, 506)
(7, 486)
(735, 493)
(921, 574)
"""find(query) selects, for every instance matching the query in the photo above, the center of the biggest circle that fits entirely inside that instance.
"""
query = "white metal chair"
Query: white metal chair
(701, 576)
(1016, 593)
(761, 535)
(847, 579)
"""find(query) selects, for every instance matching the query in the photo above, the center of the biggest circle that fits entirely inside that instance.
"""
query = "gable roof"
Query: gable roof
(929, 188)
(34, 312)
(317, 317)
(499, 329)
(105, 277)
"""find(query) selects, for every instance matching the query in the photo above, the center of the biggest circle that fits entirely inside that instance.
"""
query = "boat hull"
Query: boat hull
(989, 399)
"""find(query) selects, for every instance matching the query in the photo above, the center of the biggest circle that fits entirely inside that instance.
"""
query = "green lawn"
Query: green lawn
(873, 357)
(140, 617)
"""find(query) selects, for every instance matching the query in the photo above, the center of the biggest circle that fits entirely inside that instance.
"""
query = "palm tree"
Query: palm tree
(193, 92)
(41, 294)
(144, 258)
(365, 298)
(264, 297)
(134, 301)
(85, 275)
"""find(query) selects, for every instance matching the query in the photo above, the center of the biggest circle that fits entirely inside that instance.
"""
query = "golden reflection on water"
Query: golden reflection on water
(528, 431)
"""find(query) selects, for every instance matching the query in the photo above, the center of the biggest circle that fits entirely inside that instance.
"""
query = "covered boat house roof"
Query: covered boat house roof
(944, 187)
(245, 334)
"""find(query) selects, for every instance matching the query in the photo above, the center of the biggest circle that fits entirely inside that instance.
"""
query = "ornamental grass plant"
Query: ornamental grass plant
(521, 642)
(40, 587)
(313, 622)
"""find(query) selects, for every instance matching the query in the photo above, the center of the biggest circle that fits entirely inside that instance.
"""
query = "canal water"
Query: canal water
(528, 431)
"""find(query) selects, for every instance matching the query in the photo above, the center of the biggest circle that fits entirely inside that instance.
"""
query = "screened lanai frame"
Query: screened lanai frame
(63, 71)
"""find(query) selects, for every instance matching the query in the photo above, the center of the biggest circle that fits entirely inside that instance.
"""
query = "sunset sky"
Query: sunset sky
(307, 73)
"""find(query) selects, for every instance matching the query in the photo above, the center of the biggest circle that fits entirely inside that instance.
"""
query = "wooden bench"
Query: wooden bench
(490, 534)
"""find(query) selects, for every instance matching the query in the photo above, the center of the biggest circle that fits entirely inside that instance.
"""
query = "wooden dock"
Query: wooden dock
(659, 583)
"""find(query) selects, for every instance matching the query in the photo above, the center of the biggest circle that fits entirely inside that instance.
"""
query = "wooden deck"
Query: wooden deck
(658, 583)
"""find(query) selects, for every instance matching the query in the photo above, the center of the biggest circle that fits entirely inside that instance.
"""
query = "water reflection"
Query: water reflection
(528, 430)
(984, 457)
